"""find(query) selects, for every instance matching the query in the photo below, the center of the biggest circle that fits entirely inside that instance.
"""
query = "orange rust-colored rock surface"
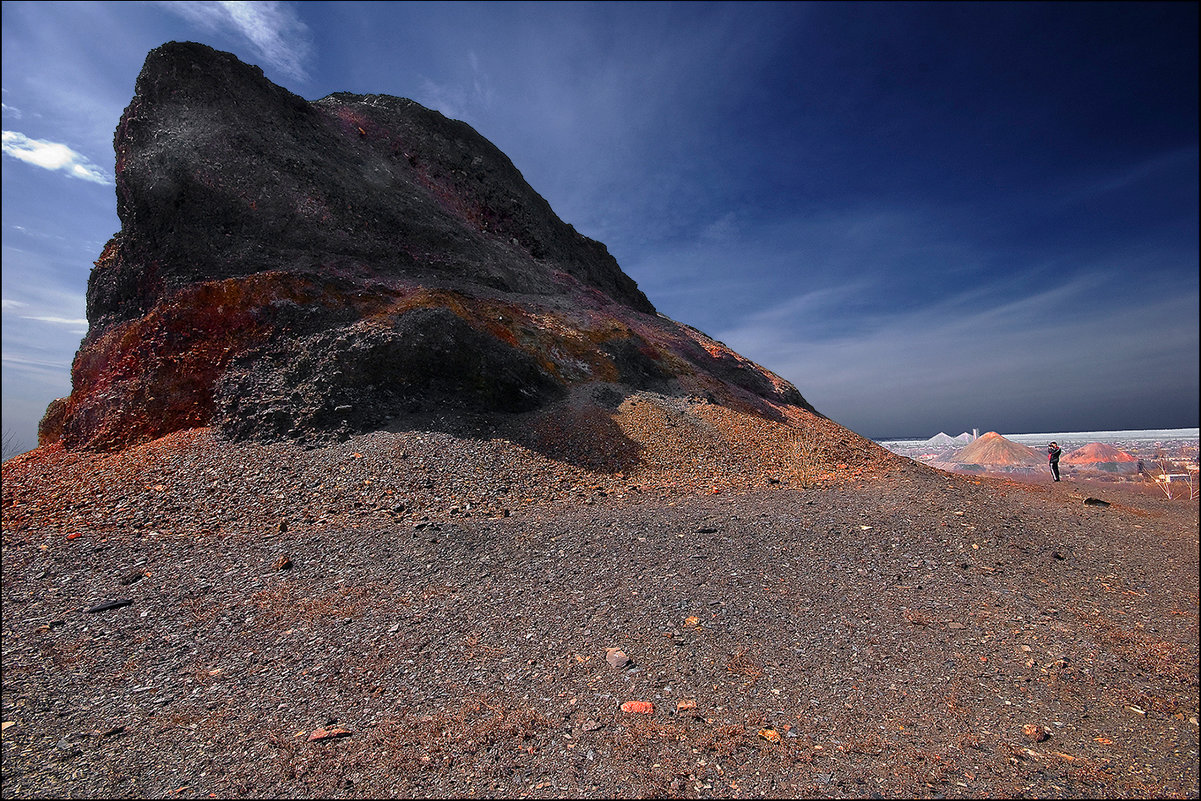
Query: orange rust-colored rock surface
(638, 707)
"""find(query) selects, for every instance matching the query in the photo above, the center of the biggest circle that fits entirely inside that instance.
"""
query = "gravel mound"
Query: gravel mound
(677, 610)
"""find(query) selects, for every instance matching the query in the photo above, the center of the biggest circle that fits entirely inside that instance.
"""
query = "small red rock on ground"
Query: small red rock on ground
(327, 734)
(616, 658)
(1035, 733)
(771, 735)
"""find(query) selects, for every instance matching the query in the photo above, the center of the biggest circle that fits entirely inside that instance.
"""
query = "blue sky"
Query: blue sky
(926, 216)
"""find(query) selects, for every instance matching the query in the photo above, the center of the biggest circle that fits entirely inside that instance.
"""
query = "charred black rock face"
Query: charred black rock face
(354, 379)
(288, 268)
(635, 366)
(222, 174)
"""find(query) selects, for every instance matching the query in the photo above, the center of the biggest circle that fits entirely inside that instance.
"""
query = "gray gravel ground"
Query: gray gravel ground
(918, 634)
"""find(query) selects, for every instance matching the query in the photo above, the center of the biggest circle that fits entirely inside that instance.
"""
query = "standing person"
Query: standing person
(1053, 453)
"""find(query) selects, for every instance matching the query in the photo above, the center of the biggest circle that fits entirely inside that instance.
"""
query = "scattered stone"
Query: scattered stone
(1035, 733)
(771, 735)
(132, 577)
(590, 725)
(327, 734)
(107, 605)
(69, 749)
(956, 626)
(1095, 502)
(686, 705)
(638, 707)
(616, 658)
(283, 525)
(1057, 555)
(282, 563)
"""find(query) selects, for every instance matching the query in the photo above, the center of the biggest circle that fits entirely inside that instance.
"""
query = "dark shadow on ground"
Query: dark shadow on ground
(583, 436)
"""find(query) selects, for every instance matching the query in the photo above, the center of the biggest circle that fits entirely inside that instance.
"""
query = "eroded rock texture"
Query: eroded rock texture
(288, 268)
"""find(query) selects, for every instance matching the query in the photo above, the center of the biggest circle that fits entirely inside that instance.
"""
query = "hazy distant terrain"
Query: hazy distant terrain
(1160, 450)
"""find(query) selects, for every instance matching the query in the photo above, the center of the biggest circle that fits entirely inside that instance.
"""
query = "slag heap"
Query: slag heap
(300, 269)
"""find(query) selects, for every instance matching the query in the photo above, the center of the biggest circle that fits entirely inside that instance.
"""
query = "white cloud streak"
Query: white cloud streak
(52, 156)
(973, 358)
(65, 321)
(460, 101)
(48, 366)
(274, 32)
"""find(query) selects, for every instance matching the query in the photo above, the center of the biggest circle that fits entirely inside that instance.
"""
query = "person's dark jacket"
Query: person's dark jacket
(1053, 454)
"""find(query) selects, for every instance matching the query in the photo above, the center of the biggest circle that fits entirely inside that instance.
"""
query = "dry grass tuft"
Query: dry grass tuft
(739, 664)
(806, 458)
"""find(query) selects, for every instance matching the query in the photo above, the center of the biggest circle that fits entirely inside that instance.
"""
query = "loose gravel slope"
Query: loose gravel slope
(428, 613)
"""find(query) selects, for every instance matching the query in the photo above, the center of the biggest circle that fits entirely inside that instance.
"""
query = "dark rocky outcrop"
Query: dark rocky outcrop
(288, 268)
(223, 174)
(430, 359)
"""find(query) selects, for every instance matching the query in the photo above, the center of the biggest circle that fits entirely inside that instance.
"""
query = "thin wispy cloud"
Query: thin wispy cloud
(990, 351)
(1123, 177)
(15, 362)
(465, 100)
(273, 30)
(67, 321)
(52, 156)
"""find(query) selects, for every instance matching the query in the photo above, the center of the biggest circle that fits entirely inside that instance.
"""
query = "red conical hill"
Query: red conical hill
(1098, 452)
(994, 449)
